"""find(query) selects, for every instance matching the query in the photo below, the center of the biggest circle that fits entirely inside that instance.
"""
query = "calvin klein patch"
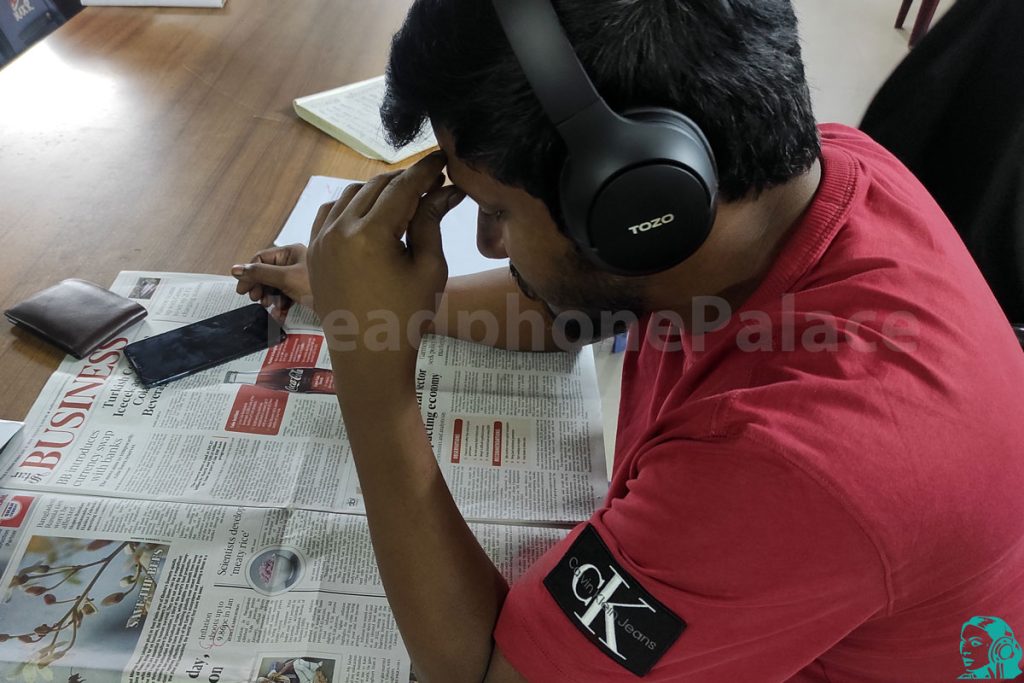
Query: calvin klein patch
(610, 607)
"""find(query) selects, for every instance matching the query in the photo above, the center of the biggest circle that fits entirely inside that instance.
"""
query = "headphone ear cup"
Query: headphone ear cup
(654, 206)
(648, 219)
(1005, 649)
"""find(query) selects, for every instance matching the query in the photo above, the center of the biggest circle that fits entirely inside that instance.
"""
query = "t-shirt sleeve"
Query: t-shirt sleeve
(719, 563)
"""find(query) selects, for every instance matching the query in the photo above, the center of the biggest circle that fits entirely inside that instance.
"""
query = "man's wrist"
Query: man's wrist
(374, 376)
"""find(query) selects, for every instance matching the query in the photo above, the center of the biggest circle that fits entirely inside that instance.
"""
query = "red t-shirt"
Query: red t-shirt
(790, 503)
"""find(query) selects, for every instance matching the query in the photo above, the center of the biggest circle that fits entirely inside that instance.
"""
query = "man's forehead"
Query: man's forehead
(457, 168)
(472, 180)
(478, 183)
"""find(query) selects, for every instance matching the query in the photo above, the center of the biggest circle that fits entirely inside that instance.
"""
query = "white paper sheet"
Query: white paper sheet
(7, 431)
(458, 229)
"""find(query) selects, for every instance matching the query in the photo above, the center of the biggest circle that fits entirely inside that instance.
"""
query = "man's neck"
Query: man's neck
(744, 243)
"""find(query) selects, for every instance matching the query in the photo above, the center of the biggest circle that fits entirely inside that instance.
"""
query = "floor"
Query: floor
(849, 48)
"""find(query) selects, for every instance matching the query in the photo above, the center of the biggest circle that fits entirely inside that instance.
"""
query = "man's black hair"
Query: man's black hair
(733, 66)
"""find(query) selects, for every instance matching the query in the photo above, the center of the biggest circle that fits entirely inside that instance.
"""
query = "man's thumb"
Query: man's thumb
(261, 273)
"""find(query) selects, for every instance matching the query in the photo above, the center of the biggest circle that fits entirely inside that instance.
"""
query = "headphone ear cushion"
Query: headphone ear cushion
(638, 190)
(670, 118)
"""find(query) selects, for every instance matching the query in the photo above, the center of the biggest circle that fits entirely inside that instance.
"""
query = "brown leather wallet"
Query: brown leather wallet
(75, 315)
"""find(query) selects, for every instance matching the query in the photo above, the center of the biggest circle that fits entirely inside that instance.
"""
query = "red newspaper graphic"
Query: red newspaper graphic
(496, 437)
(457, 442)
(290, 368)
(13, 510)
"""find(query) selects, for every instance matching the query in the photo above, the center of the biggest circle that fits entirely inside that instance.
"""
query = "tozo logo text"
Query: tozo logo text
(651, 224)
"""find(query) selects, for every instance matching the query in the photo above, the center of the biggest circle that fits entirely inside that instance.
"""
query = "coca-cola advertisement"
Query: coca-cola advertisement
(294, 380)
(289, 369)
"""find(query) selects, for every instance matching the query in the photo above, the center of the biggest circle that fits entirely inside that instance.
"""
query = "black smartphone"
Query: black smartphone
(205, 344)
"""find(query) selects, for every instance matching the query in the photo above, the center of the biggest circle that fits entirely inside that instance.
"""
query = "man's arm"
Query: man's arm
(489, 308)
(443, 589)
(501, 671)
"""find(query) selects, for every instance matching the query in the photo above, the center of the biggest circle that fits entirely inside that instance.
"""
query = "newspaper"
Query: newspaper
(212, 529)
(110, 590)
(517, 436)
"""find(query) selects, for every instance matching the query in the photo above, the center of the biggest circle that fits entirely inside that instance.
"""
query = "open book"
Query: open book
(351, 114)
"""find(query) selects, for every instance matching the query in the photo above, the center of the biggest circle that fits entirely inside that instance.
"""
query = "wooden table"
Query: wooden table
(158, 139)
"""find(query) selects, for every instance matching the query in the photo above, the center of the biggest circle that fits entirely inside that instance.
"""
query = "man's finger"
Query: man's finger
(398, 201)
(368, 193)
(246, 284)
(320, 221)
(424, 236)
(344, 201)
(277, 256)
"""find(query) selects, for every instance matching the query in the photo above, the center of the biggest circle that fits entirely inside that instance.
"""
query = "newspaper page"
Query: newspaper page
(100, 590)
(518, 436)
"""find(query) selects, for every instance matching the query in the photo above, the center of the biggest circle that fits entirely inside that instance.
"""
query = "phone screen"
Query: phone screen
(205, 344)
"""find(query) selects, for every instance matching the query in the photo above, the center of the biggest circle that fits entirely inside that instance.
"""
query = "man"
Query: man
(817, 472)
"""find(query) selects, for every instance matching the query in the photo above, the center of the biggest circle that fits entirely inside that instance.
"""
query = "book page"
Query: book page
(355, 110)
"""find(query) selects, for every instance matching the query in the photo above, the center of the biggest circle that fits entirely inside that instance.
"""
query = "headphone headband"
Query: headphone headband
(547, 58)
(638, 189)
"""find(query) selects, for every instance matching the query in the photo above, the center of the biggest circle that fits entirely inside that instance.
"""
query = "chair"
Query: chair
(924, 18)
(953, 112)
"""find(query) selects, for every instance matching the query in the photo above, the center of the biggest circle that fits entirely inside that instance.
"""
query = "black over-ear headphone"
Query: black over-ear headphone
(638, 190)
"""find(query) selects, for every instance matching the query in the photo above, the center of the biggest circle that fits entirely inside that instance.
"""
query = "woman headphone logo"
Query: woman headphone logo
(989, 650)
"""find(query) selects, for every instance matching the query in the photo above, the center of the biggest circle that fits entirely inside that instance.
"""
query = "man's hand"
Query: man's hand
(277, 277)
(364, 277)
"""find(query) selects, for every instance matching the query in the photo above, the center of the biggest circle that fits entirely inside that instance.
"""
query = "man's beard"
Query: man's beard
(588, 298)
(523, 287)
